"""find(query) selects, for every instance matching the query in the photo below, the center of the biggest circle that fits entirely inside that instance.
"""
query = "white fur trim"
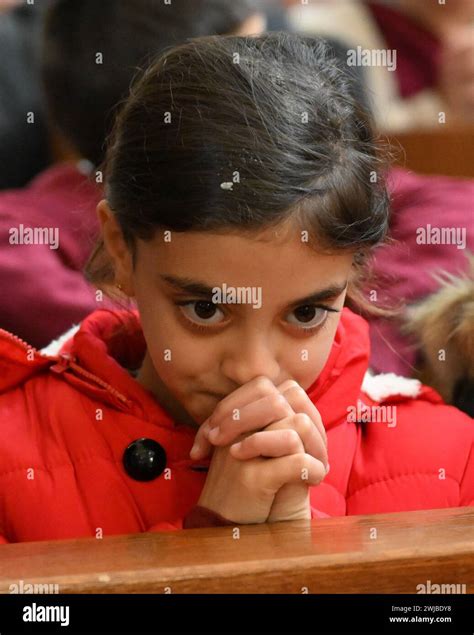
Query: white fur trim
(54, 347)
(379, 387)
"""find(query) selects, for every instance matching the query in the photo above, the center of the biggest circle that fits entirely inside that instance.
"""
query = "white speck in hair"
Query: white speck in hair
(227, 185)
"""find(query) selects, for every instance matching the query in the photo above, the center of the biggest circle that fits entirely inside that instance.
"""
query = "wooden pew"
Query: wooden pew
(443, 150)
(334, 555)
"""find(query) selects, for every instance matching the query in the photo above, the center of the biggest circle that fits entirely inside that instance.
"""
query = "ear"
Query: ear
(118, 250)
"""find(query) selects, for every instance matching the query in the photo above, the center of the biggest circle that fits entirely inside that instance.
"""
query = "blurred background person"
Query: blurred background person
(28, 147)
(24, 147)
(434, 44)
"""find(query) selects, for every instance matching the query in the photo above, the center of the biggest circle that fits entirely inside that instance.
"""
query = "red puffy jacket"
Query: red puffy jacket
(69, 419)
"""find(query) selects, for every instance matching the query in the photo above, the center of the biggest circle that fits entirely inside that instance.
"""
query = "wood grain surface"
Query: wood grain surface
(384, 553)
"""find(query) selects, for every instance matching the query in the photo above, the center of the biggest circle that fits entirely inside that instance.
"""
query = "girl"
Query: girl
(242, 198)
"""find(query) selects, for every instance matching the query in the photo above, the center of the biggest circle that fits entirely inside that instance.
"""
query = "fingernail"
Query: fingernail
(195, 451)
(213, 434)
(237, 446)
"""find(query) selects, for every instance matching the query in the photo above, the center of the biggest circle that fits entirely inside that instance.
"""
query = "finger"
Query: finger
(313, 442)
(201, 446)
(293, 468)
(299, 401)
(250, 392)
(254, 390)
(259, 414)
(254, 416)
(272, 443)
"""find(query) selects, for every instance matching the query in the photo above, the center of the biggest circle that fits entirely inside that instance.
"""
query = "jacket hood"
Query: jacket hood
(108, 344)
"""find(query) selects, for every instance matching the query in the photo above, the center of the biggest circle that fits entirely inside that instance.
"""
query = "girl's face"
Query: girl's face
(275, 312)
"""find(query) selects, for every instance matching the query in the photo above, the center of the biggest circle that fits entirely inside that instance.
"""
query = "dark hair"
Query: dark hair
(82, 94)
(276, 111)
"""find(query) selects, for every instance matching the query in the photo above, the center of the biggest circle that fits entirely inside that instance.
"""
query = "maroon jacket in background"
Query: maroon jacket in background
(405, 269)
(418, 50)
(43, 291)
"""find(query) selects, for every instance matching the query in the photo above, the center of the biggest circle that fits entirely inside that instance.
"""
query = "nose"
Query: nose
(250, 357)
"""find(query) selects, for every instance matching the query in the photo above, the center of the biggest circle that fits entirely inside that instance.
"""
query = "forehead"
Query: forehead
(276, 259)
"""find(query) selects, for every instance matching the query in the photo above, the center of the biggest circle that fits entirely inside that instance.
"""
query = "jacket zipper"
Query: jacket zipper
(64, 363)
(17, 339)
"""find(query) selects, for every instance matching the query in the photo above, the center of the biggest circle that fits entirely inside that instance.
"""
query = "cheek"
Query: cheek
(175, 352)
(175, 357)
(309, 358)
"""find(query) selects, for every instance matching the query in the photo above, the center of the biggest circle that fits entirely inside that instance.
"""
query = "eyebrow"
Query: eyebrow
(198, 288)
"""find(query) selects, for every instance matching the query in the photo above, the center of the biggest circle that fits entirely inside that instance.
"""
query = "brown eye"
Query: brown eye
(201, 312)
(305, 313)
(205, 310)
(307, 316)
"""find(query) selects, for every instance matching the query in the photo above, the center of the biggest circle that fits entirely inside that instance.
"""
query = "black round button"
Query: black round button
(144, 459)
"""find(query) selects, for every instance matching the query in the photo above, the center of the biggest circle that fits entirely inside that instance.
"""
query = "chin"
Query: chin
(207, 405)
(198, 408)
